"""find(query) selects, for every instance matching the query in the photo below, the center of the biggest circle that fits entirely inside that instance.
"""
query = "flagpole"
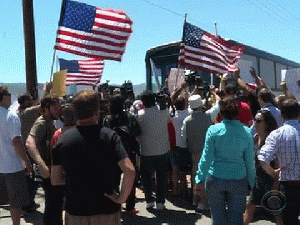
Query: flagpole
(178, 66)
(57, 69)
(53, 60)
(216, 28)
(63, 2)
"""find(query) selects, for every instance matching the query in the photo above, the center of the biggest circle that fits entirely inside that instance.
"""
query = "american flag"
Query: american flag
(92, 32)
(82, 72)
(203, 51)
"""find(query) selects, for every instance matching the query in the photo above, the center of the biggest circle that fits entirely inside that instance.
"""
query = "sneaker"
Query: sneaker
(150, 205)
(201, 207)
(160, 206)
(133, 212)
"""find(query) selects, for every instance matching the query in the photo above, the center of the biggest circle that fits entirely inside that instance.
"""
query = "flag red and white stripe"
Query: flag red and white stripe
(83, 72)
(93, 32)
(203, 51)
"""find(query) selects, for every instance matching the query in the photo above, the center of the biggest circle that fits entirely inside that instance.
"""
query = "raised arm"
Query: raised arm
(286, 91)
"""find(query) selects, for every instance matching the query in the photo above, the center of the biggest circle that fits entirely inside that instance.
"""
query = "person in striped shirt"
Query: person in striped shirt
(284, 144)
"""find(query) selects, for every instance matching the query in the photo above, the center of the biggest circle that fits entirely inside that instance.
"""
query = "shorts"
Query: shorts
(181, 158)
(263, 184)
(17, 189)
(107, 219)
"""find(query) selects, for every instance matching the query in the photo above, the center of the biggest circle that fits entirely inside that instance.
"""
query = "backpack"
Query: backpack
(127, 128)
(130, 143)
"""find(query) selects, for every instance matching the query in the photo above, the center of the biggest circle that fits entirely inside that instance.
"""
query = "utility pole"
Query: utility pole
(30, 55)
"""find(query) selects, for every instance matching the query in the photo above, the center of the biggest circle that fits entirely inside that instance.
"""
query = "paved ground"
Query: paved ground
(178, 211)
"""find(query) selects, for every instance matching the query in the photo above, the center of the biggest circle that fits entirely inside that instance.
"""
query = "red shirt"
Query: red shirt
(244, 114)
(172, 136)
(54, 139)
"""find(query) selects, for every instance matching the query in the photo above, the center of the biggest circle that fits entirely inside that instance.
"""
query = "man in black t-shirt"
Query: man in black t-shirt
(127, 128)
(89, 160)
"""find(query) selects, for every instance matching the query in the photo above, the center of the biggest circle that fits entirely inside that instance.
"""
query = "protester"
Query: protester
(91, 157)
(193, 134)
(67, 116)
(226, 165)
(127, 128)
(181, 91)
(28, 114)
(154, 149)
(179, 155)
(25, 101)
(283, 144)
(286, 95)
(249, 89)
(244, 112)
(136, 106)
(267, 101)
(264, 123)
(38, 146)
(13, 158)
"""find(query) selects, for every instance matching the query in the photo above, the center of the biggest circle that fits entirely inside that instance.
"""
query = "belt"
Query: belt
(295, 183)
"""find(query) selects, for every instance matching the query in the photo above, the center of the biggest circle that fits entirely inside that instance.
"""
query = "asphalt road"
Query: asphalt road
(179, 210)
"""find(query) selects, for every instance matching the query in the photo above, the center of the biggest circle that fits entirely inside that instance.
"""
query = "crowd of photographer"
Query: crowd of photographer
(222, 154)
(243, 114)
(211, 134)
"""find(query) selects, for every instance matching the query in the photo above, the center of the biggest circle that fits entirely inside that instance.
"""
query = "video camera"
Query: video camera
(125, 90)
(193, 78)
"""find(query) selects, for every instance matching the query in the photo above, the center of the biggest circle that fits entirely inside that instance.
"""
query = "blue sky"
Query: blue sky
(269, 25)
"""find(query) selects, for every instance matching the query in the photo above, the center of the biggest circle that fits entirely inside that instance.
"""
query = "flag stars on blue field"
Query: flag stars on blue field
(79, 16)
(193, 35)
(78, 27)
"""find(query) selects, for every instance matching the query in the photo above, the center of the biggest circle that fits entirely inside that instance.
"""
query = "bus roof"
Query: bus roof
(173, 48)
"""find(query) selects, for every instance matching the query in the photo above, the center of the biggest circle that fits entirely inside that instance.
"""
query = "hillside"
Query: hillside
(18, 89)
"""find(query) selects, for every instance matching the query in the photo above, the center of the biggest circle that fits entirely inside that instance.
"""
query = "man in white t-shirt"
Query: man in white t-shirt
(13, 158)
(155, 147)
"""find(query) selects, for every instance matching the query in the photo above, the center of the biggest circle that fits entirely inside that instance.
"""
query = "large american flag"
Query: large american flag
(201, 50)
(92, 32)
(82, 72)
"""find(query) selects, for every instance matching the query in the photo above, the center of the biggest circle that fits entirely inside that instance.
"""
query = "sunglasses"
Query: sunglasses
(258, 120)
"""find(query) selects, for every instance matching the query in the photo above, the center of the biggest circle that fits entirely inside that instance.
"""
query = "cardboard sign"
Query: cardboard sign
(245, 66)
(175, 79)
(59, 84)
(292, 79)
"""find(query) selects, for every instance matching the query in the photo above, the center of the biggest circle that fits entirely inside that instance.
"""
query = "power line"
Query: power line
(264, 11)
(277, 8)
(271, 10)
(295, 28)
(171, 11)
(279, 19)
(159, 6)
(286, 10)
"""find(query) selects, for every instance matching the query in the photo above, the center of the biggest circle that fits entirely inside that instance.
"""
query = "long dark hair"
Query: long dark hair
(269, 120)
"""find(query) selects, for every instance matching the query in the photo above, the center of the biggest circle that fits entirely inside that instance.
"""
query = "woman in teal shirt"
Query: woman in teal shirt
(227, 166)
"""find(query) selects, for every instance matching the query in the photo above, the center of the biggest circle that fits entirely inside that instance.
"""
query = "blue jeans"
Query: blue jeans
(158, 164)
(234, 192)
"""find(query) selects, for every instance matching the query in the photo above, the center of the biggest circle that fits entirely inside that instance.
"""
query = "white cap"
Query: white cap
(195, 101)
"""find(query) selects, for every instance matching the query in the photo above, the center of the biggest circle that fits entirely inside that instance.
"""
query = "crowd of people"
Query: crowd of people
(89, 153)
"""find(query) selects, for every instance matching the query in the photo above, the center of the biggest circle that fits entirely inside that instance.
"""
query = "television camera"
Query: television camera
(194, 79)
(125, 90)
